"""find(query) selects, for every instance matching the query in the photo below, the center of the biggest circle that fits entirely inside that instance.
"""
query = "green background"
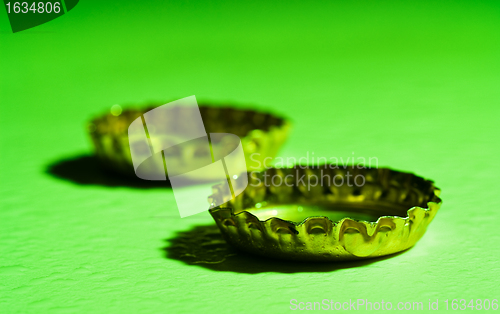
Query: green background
(415, 84)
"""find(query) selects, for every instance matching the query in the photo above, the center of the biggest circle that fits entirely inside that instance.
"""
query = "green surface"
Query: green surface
(415, 85)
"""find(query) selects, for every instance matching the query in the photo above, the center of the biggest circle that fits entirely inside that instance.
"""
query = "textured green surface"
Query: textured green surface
(415, 85)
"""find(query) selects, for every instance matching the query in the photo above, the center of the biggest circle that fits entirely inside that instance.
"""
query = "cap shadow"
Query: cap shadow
(88, 170)
(204, 246)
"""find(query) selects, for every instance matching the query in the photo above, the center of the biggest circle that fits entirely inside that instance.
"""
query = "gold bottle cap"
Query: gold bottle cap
(261, 134)
(315, 213)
